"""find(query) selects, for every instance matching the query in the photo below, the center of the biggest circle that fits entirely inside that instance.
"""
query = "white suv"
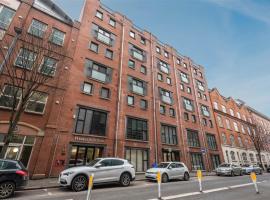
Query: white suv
(105, 170)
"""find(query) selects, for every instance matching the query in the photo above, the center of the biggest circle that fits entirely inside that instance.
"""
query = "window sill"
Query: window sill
(59, 45)
(90, 135)
(134, 140)
(107, 99)
(89, 94)
(96, 52)
(99, 81)
(34, 113)
(169, 144)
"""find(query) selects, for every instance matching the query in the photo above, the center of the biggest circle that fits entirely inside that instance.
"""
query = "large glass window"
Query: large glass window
(205, 111)
(170, 155)
(138, 158)
(7, 99)
(197, 161)
(48, 66)
(188, 104)
(232, 140)
(25, 59)
(193, 138)
(57, 37)
(137, 86)
(219, 120)
(168, 134)
(184, 77)
(137, 53)
(37, 28)
(98, 71)
(6, 15)
(164, 67)
(89, 121)
(200, 85)
(215, 161)
(37, 102)
(137, 129)
(166, 96)
(211, 141)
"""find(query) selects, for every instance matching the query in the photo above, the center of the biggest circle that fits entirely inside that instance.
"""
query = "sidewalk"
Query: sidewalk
(52, 182)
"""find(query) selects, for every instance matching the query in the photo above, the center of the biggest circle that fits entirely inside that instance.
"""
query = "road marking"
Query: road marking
(50, 194)
(239, 186)
(215, 190)
(181, 195)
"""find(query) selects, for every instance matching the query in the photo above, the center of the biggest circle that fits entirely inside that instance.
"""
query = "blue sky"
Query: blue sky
(230, 38)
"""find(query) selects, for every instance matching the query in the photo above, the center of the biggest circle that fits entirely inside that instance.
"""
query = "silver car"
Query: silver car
(229, 169)
(168, 170)
(105, 170)
(247, 169)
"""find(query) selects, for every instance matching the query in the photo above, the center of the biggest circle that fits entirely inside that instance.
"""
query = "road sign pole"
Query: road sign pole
(254, 179)
(90, 185)
(199, 175)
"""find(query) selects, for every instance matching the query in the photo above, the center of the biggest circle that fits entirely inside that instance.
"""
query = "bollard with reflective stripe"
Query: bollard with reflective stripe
(159, 184)
(90, 186)
(199, 175)
(254, 179)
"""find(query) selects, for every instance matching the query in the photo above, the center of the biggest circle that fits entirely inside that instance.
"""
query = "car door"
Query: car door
(173, 170)
(180, 170)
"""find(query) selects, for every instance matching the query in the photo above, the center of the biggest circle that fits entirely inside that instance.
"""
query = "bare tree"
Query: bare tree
(259, 140)
(28, 74)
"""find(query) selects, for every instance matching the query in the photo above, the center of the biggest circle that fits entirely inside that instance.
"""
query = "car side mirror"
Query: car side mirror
(170, 167)
(98, 165)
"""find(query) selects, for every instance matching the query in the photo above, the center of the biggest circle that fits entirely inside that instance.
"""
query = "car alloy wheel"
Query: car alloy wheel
(186, 176)
(79, 183)
(165, 178)
(6, 189)
(125, 179)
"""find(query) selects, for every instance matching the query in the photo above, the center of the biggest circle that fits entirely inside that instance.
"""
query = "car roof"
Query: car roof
(105, 158)
(9, 160)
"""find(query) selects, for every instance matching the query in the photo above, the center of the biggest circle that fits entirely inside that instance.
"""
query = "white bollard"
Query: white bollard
(90, 185)
(159, 184)
(199, 175)
(254, 179)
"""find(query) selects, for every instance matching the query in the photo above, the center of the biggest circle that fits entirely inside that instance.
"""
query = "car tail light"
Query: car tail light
(21, 173)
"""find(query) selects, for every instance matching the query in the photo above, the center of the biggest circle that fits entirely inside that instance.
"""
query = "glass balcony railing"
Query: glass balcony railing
(103, 38)
(98, 75)
(164, 69)
(201, 87)
(137, 89)
(166, 99)
(137, 55)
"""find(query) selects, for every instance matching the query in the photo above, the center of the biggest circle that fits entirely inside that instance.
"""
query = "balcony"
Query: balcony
(104, 39)
(201, 87)
(138, 55)
(164, 69)
(166, 99)
(137, 89)
(98, 75)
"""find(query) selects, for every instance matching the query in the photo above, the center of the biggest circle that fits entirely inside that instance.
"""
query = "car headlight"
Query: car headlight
(68, 173)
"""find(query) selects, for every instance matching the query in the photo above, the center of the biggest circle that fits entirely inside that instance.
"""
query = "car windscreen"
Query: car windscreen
(93, 162)
(163, 165)
(224, 165)
(247, 165)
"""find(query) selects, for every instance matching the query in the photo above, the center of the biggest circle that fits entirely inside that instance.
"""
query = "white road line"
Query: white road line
(181, 195)
(238, 186)
(50, 194)
(215, 190)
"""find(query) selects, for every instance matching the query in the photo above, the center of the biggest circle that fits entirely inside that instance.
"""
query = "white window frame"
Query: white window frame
(33, 60)
(223, 109)
(10, 96)
(45, 103)
(58, 38)
(54, 67)
(45, 26)
(215, 104)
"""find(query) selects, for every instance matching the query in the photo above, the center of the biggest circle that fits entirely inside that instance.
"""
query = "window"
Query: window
(143, 104)
(57, 37)
(112, 22)
(188, 104)
(98, 71)
(137, 129)
(7, 97)
(172, 112)
(205, 97)
(200, 74)
(251, 157)
(143, 69)
(138, 158)
(231, 112)
(232, 140)
(87, 88)
(235, 126)
(240, 141)
(193, 138)
(243, 129)
(103, 35)
(215, 105)
(178, 61)
(132, 34)
(162, 109)
(6, 15)
(130, 100)
(211, 141)
(238, 115)
(143, 40)
(48, 66)
(89, 121)
(164, 67)
(166, 96)
(37, 103)
(204, 121)
(219, 120)
(168, 134)
(224, 138)
(205, 111)
(137, 86)
(105, 93)
(169, 80)
(211, 124)
(158, 50)
(184, 77)
(223, 109)
(166, 54)
(94, 47)
(200, 86)
(189, 90)
(195, 71)
(199, 95)
(109, 54)
(185, 65)
(244, 117)
(197, 161)
(37, 28)
(186, 116)
(137, 53)
(131, 64)
(182, 87)
(232, 155)
(99, 15)
(160, 77)
(25, 59)
(228, 124)
(193, 117)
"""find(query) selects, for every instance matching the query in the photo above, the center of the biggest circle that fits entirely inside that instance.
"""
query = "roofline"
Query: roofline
(258, 113)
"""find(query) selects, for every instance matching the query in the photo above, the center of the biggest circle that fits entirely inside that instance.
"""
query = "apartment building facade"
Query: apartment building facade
(35, 137)
(235, 123)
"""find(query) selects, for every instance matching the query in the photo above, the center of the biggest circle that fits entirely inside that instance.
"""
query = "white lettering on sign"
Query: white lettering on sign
(13, 4)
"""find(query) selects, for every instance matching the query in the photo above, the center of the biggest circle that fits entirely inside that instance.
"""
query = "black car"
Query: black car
(13, 175)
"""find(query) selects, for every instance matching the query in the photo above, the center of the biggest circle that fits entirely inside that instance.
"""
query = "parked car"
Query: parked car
(13, 176)
(247, 169)
(229, 169)
(268, 169)
(105, 170)
(168, 170)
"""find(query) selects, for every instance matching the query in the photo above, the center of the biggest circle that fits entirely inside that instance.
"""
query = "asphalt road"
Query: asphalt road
(214, 188)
